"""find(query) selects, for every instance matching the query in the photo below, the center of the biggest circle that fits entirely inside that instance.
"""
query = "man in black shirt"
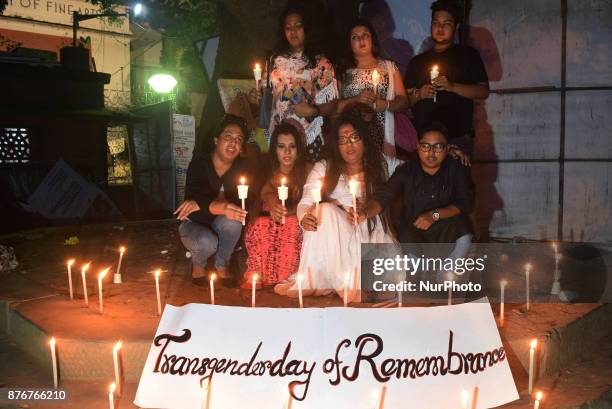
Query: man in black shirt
(437, 193)
(211, 214)
(461, 78)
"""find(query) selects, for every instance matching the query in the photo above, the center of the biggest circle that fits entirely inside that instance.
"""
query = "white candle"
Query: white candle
(69, 265)
(206, 393)
(465, 398)
(111, 395)
(375, 81)
(300, 278)
(283, 194)
(83, 271)
(354, 190)
(502, 289)
(347, 277)
(556, 287)
(213, 277)
(117, 275)
(527, 272)
(536, 405)
(100, 295)
(243, 192)
(117, 366)
(159, 309)
(54, 362)
(316, 197)
(381, 402)
(532, 349)
(433, 75)
(253, 289)
(257, 74)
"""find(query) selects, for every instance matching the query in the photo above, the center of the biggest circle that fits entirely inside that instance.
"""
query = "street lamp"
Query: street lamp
(162, 83)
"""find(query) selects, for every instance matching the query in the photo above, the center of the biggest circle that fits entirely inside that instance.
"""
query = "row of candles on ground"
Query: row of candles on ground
(378, 400)
(433, 74)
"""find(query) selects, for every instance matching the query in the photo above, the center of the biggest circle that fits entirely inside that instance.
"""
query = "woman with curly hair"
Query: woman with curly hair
(332, 246)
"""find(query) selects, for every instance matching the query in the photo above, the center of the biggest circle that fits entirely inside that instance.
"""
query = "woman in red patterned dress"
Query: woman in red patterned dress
(273, 246)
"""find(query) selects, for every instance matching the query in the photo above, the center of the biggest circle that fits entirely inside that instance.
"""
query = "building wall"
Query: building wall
(47, 24)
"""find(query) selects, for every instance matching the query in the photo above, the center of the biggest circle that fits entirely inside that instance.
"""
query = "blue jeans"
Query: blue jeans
(204, 241)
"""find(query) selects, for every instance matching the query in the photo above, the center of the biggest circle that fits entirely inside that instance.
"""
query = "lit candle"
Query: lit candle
(255, 277)
(532, 348)
(347, 277)
(206, 396)
(116, 364)
(433, 75)
(527, 272)
(283, 194)
(111, 395)
(465, 398)
(117, 275)
(475, 397)
(354, 189)
(502, 289)
(300, 278)
(83, 271)
(69, 265)
(383, 393)
(159, 310)
(536, 405)
(243, 191)
(316, 197)
(54, 361)
(100, 296)
(213, 277)
(257, 74)
(375, 80)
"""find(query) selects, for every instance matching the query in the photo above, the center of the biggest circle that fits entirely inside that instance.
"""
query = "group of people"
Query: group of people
(338, 134)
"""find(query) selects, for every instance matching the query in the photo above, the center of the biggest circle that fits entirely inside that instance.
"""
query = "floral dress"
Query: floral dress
(357, 80)
(293, 81)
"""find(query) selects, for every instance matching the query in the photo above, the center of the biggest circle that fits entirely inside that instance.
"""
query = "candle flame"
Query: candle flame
(112, 387)
(533, 344)
(435, 68)
(503, 283)
(528, 266)
(347, 276)
(257, 67)
(52, 342)
(554, 246)
(464, 398)
(283, 181)
(70, 262)
(242, 180)
(157, 273)
(255, 277)
(85, 267)
(319, 183)
(539, 395)
(300, 277)
(103, 273)
(213, 277)
(375, 77)
(122, 249)
(117, 346)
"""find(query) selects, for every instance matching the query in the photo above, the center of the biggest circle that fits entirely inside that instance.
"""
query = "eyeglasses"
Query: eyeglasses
(353, 138)
(229, 138)
(437, 147)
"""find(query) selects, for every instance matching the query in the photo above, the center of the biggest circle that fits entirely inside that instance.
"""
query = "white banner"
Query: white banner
(331, 358)
(183, 129)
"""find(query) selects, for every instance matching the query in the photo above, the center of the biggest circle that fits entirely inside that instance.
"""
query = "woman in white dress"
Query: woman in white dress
(331, 246)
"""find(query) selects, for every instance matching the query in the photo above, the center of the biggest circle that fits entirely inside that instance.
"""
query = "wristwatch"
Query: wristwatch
(435, 215)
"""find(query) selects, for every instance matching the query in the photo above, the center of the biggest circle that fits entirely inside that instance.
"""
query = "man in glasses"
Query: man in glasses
(437, 192)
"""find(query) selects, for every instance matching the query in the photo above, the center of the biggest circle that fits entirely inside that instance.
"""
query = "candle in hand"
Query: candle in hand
(527, 273)
(257, 74)
(100, 296)
(354, 190)
(283, 194)
(532, 349)
(83, 271)
(157, 273)
(243, 191)
(54, 361)
(111, 395)
(117, 366)
(347, 277)
(117, 276)
(69, 265)
(213, 277)
(502, 285)
(536, 405)
(375, 80)
(300, 278)
(254, 280)
(316, 197)
(433, 75)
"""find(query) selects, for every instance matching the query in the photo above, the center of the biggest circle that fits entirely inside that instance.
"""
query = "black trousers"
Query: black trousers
(442, 231)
